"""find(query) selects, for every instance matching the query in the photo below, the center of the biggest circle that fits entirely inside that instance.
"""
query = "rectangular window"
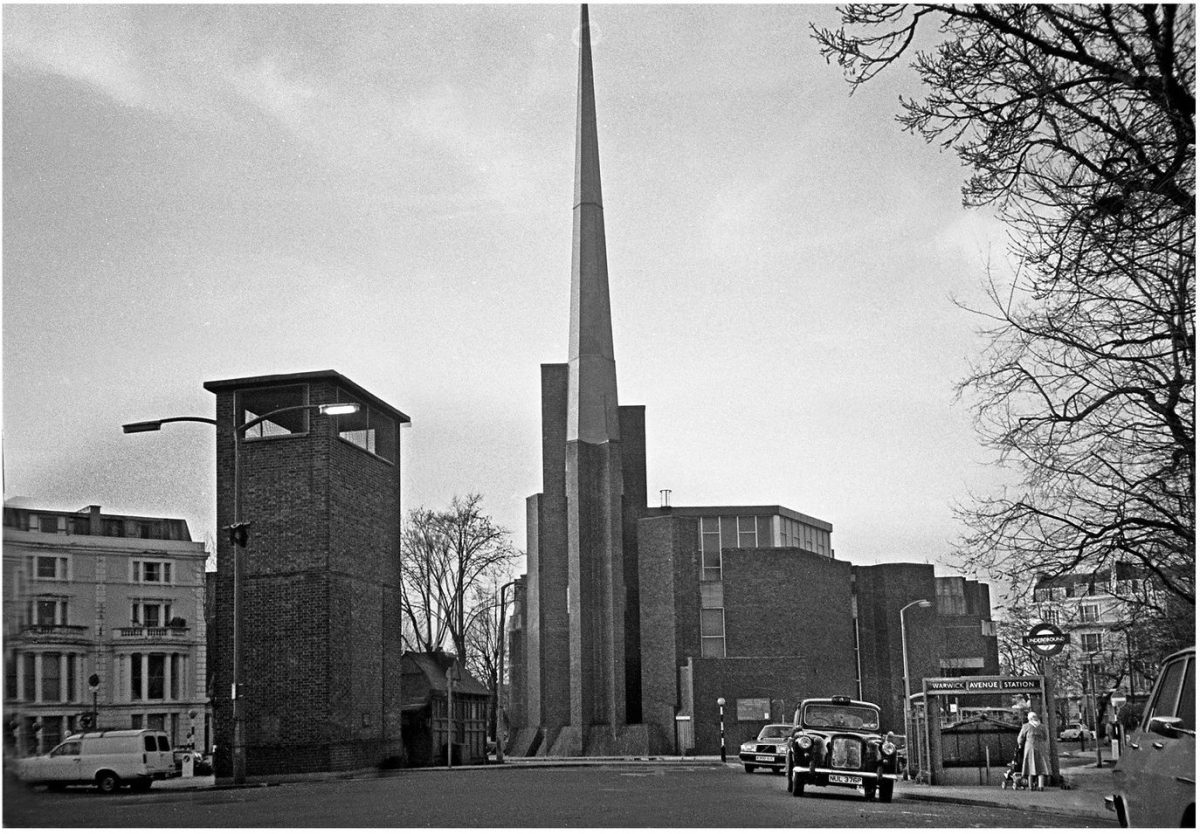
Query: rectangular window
(151, 572)
(1090, 642)
(51, 677)
(50, 567)
(712, 632)
(710, 550)
(150, 613)
(10, 677)
(28, 679)
(135, 677)
(258, 402)
(747, 532)
(49, 523)
(80, 526)
(157, 673)
(1089, 613)
(50, 611)
(1052, 616)
(368, 428)
(114, 527)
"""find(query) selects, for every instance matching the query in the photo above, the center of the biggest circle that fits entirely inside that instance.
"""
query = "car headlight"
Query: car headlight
(805, 742)
(888, 748)
(748, 747)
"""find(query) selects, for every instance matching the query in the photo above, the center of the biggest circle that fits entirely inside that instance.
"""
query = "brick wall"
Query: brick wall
(320, 616)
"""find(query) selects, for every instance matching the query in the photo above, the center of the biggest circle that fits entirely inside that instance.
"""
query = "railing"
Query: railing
(54, 632)
(151, 632)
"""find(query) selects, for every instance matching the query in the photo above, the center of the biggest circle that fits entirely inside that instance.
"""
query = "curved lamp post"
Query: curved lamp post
(239, 724)
(919, 603)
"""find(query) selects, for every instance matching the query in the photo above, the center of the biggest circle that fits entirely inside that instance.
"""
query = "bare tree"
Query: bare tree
(450, 559)
(1078, 122)
(483, 636)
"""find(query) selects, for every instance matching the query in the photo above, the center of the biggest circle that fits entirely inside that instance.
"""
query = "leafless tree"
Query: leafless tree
(1078, 122)
(450, 560)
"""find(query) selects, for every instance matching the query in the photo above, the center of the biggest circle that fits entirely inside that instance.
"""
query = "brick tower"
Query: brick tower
(318, 613)
(582, 682)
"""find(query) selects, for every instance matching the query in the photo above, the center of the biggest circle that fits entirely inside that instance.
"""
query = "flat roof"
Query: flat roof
(744, 509)
(219, 385)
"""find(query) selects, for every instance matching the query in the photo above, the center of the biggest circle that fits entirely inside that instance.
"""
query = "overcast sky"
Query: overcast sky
(204, 192)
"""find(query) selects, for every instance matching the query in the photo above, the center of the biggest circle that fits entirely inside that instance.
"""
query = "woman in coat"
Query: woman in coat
(1034, 743)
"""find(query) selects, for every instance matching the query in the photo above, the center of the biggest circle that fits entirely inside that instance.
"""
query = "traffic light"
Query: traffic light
(238, 533)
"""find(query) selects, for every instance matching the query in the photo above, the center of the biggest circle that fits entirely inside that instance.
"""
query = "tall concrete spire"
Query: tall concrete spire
(592, 403)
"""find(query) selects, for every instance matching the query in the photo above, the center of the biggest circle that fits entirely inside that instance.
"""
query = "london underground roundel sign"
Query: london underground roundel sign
(1046, 639)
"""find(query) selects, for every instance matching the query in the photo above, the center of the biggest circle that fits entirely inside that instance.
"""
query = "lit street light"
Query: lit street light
(238, 538)
(920, 603)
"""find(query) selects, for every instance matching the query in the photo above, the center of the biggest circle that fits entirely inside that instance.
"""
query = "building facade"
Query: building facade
(314, 595)
(1103, 654)
(953, 637)
(116, 596)
(631, 622)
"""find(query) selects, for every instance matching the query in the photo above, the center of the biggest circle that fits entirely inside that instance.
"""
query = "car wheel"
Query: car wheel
(749, 768)
(107, 781)
(797, 786)
(885, 790)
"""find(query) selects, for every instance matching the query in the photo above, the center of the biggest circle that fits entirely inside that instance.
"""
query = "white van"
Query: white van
(106, 759)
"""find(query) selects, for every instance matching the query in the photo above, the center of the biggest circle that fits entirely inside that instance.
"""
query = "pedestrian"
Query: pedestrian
(1034, 743)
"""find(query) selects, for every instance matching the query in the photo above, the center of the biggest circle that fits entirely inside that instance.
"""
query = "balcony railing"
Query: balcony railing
(55, 633)
(151, 633)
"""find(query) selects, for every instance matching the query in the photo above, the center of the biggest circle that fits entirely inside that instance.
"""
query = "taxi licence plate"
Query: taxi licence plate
(764, 758)
(839, 779)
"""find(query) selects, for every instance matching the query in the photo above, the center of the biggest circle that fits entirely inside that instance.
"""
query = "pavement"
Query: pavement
(1084, 784)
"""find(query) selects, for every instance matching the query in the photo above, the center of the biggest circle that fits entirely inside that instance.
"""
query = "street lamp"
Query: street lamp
(239, 729)
(919, 603)
(721, 710)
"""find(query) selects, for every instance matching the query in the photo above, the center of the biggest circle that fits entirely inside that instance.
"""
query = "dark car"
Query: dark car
(768, 750)
(1155, 778)
(838, 743)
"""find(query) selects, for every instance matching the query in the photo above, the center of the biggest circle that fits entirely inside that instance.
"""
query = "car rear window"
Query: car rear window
(150, 744)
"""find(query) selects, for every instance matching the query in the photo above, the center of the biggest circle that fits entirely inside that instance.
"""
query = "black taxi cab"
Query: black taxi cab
(838, 744)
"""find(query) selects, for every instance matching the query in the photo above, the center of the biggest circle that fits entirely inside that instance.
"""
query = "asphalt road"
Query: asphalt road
(616, 795)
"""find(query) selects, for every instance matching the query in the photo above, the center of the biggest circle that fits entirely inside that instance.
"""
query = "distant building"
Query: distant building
(435, 683)
(1102, 655)
(117, 596)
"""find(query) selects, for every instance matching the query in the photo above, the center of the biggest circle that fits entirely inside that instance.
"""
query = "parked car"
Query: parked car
(839, 744)
(1075, 731)
(1155, 778)
(768, 750)
(107, 759)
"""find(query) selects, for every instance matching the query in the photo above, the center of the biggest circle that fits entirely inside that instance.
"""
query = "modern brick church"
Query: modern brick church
(631, 621)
